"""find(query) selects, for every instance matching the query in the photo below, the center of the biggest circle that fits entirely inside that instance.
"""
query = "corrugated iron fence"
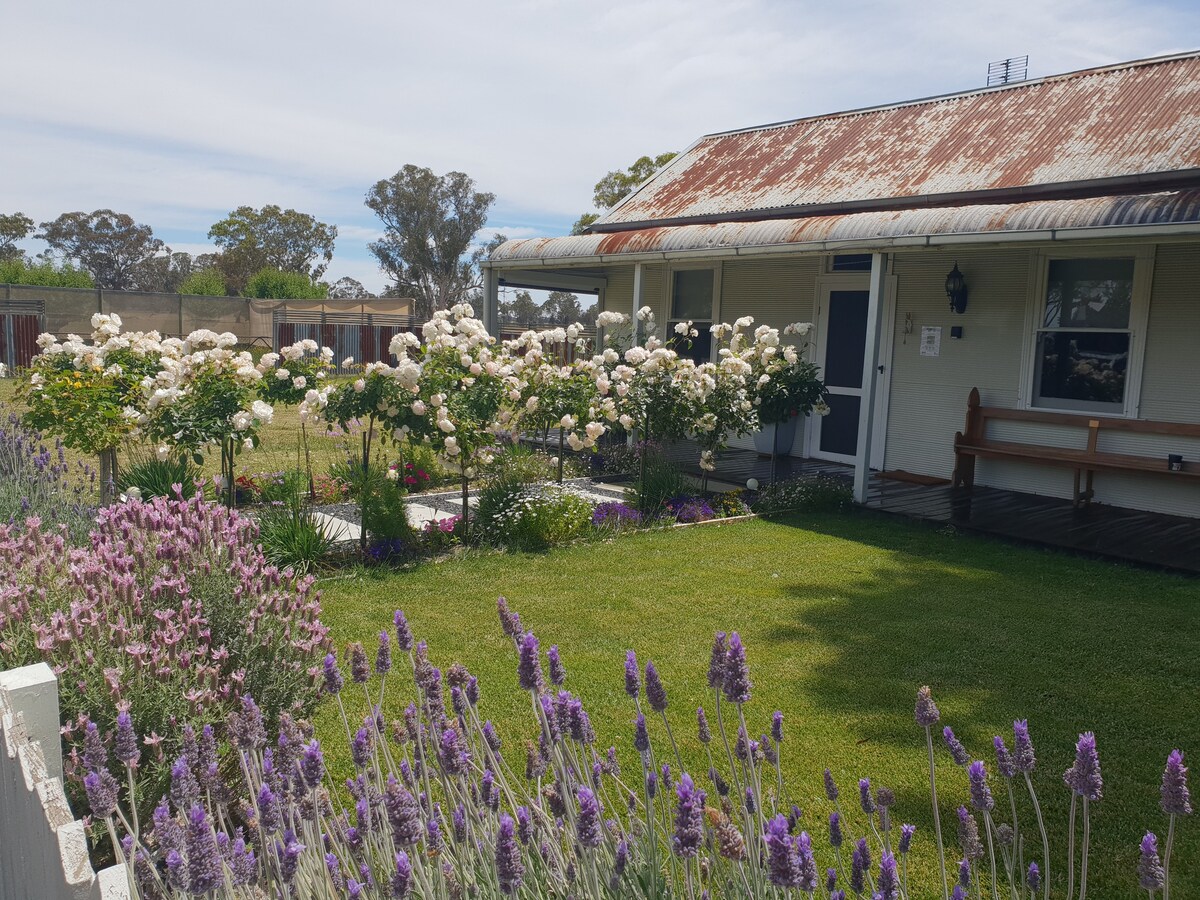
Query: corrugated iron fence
(20, 324)
(362, 336)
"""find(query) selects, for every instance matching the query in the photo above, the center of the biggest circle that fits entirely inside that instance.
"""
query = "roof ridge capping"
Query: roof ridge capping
(936, 98)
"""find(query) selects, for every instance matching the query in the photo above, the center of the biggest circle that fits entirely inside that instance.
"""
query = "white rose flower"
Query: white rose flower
(283, 374)
(299, 382)
(162, 452)
(418, 408)
(134, 493)
(645, 313)
(359, 386)
(262, 411)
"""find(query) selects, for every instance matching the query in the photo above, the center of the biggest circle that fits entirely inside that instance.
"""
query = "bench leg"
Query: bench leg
(964, 471)
(1084, 496)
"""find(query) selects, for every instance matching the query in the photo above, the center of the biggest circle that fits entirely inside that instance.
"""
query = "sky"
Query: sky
(177, 113)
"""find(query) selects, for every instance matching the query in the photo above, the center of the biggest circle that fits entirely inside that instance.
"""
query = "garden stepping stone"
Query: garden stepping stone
(337, 529)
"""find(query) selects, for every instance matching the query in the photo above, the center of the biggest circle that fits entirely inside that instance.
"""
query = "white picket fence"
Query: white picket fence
(43, 848)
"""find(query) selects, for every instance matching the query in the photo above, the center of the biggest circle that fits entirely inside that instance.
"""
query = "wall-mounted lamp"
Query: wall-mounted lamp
(956, 290)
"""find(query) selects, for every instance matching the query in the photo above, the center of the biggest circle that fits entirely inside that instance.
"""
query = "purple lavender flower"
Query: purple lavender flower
(1023, 755)
(125, 745)
(247, 728)
(95, 756)
(333, 675)
(185, 791)
(472, 690)
(587, 822)
(959, 893)
(981, 794)
(458, 823)
(1084, 775)
(403, 814)
(906, 836)
(490, 736)
(831, 788)
(777, 727)
(835, 830)
(620, 861)
(1033, 878)
(737, 673)
(779, 852)
(204, 861)
(864, 797)
(1176, 800)
(242, 863)
(453, 753)
(689, 813)
(558, 672)
(806, 863)
(529, 667)
(641, 737)
(830, 879)
(1150, 868)
(434, 841)
(716, 662)
(269, 812)
(402, 877)
(524, 825)
(404, 635)
(101, 790)
(656, 694)
(860, 863)
(360, 669)
(383, 656)
(887, 887)
(751, 803)
(964, 873)
(968, 835)
(1004, 761)
(360, 748)
(509, 868)
(703, 731)
(312, 765)
(927, 713)
(651, 784)
(510, 622)
(633, 682)
(957, 751)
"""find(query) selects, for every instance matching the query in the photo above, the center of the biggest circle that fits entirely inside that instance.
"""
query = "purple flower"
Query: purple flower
(403, 814)
(360, 669)
(472, 690)
(95, 756)
(1150, 868)
(777, 727)
(490, 736)
(1023, 755)
(242, 863)
(981, 794)
(702, 728)
(779, 852)
(1033, 878)
(587, 822)
(269, 812)
(558, 672)
(125, 745)
(806, 863)
(641, 738)
(101, 790)
(1176, 801)
(860, 863)
(402, 877)
(1004, 761)
(689, 813)
(959, 893)
(632, 678)
(453, 753)
(1084, 775)
(831, 789)
(360, 748)
(204, 861)
(887, 887)
(529, 666)
(656, 694)
(835, 830)
(383, 656)
(247, 728)
(312, 765)
(333, 675)
(510, 622)
(404, 635)
(968, 835)
(864, 796)
(524, 825)
(651, 784)
(509, 868)
(964, 873)
(716, 662)
(927, 712)
(830, 879)
(737, 672)
(184, 790)
(434, 841)
(906, 836)
(955, 747)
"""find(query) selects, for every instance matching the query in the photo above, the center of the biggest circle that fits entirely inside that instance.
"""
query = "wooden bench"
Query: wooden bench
(974, 442)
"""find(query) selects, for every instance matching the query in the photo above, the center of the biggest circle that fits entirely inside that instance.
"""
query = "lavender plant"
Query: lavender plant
(438, 806)
(37, 480)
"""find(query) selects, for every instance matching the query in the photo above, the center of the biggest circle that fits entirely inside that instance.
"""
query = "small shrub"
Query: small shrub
(615, 516)
(204, 283)
(441, 534)
(819, 494)
(283, 486)
(384, 512)
(512, 472)
(329, 489)
(291, 536)
(154, 477)
(689, 510)
(546, 516)
(271, 284)
(658, 481)
(729, 504)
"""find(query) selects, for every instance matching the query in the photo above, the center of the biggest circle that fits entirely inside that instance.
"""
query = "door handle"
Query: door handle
(880, 370)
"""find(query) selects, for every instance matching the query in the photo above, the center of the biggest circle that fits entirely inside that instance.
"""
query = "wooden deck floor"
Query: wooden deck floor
(1154, 539)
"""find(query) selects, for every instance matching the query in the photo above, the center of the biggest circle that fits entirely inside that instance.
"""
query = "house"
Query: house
(1069, 206)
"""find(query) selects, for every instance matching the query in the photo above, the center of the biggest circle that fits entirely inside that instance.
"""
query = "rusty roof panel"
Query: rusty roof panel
(1121, 121)
(883, 226)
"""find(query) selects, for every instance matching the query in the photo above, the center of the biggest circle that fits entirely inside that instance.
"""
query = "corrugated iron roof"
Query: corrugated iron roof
(1066, 135)
(879, 227)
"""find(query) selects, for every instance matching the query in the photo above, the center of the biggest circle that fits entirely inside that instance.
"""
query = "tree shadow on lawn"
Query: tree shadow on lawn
(1003, 632)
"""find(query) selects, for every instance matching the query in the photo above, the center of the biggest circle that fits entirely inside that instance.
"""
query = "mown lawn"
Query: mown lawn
(844, 617)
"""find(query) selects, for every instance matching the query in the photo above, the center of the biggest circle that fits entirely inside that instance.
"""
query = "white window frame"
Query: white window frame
(1139, 315)
(669, 334)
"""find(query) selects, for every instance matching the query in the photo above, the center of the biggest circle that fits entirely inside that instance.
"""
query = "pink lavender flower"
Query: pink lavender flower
(689, 823)
(383, 656)
(1004, 760)
(1084, 775)
(1176, 800)
(777, 726)
(101, 790)
(587, 821)
(981, 794)
(1023, 755)
(404, 635)
(633, 683)
(656, 694)
(509, 868)
(957, 751)
(927, 713)
(529, 666)
(716, 662)
(558, 672)
(125, 745)
(737, 673)
(1150, 868)
(702, 729)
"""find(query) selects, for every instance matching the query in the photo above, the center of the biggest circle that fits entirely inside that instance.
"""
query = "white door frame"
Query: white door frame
(855, 281)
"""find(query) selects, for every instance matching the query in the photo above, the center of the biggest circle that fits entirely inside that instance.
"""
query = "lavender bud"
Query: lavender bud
(101, 790)
(587, 823)
(509, 868)
(1150, 868)
(831, 789)
(95, 756)
(964, 873)
(656, 694)
(689, 813)
(864, 797)
(205, 871)
(333, 676)
(906, 836)
(1033, 878)
(737, 673)
(777, 727)
(835, 830)
(968, 835)
(247, 729)
(490, 736)
(312, 765)
(529, 667)
(1004, 761)
(888, 884)
(927, 712)
(558, 672)
(779, 852)
(1176, 801)
(404, 816)
(1023, 756)
(957, 751)
(641, 738)
(125, 744)
(806, 864)
(651, 785)
(702, 728)
(402, 877)
(632, 678)
(404, 635)
(360, 669)
(981, 794)
(716, 662)
(830, 880)
(383, 656)
(860, 863)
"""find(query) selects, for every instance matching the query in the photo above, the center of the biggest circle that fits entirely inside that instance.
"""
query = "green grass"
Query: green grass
(844, 617)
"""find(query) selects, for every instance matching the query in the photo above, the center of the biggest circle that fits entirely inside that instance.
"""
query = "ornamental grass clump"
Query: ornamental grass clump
(441, 805)
(171, 615)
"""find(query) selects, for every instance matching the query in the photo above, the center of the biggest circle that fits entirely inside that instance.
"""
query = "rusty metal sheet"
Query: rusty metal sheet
(1165, 208)
(1119, 121)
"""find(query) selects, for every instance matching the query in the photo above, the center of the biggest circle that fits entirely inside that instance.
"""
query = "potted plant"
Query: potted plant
(787, 387)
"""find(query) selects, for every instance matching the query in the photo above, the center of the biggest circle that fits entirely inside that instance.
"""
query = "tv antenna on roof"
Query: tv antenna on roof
(1006, 71)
